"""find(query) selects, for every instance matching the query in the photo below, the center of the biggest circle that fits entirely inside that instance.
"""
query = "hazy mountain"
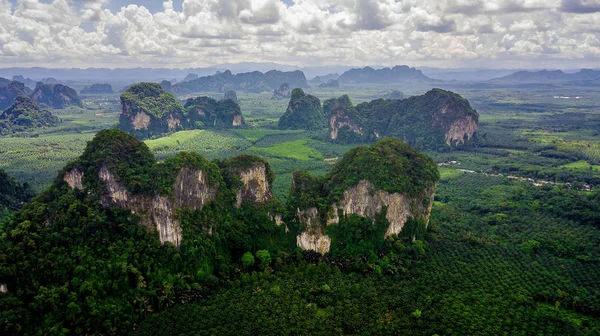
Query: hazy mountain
(369, 75)
(550, 76)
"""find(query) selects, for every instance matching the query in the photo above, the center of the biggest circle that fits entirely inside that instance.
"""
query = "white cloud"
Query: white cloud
(358, 32)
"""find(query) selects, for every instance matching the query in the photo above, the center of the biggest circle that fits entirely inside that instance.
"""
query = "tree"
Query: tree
(248, 259)
(265, 258)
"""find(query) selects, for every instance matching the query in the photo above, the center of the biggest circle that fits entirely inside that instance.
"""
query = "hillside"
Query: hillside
(56, 96)
(249, 81)
(9, 90)
(435, 120)
(397, 74)
(12, 194)
(25, 114)
(304, 112)
(119, 229)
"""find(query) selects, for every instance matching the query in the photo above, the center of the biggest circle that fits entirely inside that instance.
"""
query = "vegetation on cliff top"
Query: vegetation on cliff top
(303, 112)
(25, 114)
(152, 99)
(420, 121)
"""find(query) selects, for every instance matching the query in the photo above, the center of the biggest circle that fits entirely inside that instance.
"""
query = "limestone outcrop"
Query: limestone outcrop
(435, 120)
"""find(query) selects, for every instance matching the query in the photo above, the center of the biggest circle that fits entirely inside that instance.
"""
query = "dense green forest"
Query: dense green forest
(76, 262)
(512, 246)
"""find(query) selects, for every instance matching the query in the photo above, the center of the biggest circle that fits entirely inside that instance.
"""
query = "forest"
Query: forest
(512, 245)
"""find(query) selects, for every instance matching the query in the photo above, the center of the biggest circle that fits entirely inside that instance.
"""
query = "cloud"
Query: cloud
(306, 32)
(580, 6)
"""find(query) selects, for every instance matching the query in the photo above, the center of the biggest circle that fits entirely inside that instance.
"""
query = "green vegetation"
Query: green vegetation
(423, 122)
(210, 113)
(149, 110)
(152, 99)
(24, 114)
(297, 149)
(500, 256)
(303, 112)
(12, 194)
(389, 164)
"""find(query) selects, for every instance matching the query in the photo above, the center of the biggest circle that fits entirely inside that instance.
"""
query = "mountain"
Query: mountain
(324, 78)
(209, 112)
(304, 112)
(231, 95)
(119, 236)
(249, 81)
(284, 91)
(465, 74)
(394, 95)
(332, 83)
(148, 110)
(555, 76)
(190, 77)
(435, 120)
(27, 81)
(25, 114)
(397, 74)
(388, 175)
(97, 89)
(9, 90)
(56, 96)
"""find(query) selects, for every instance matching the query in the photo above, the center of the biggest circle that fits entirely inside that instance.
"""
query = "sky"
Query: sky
(199, 33)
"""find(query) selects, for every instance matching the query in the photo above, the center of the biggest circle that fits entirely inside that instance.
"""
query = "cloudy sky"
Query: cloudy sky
(198, 33)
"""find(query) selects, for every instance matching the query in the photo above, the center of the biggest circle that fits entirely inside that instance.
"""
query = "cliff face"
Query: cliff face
(436, 120)
(339, 119)
(359, 184)
(365, 201)
(148, 110)
(255, 187)
(191, 191)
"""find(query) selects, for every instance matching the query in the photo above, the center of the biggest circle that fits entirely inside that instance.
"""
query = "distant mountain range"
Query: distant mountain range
(554, 76)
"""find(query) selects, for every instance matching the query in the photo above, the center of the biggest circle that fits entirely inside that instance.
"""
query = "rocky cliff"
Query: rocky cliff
(389, 196)
(124, 174)
(435, 120)
(56, 96)
(304, 112)
(148, 110)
